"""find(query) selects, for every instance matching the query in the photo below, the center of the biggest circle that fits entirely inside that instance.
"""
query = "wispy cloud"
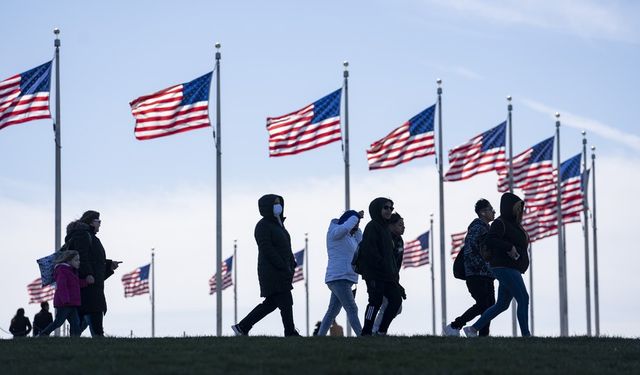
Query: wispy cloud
(585, 18)
(587, 124)
(460, 71)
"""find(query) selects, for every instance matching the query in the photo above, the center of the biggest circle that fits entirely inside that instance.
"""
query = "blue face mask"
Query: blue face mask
(277, 209)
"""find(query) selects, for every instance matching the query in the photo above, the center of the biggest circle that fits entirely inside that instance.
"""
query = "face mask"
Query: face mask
(277, 209)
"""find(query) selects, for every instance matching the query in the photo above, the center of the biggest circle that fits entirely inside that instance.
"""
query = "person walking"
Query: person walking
(94, 267)
(396, 227)
(66, 299)
(276, 266)
(42, 319)
(508, 243)
(376, 261)
(343, 237)
(479, 278)
(20, 324)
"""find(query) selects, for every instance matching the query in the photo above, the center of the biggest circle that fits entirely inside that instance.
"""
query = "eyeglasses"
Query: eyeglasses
(387, 208)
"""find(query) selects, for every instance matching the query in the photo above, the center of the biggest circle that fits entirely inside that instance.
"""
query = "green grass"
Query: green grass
(270, 355)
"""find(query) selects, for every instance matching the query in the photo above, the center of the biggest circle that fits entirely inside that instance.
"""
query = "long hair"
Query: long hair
(19, 314)
(66, 256)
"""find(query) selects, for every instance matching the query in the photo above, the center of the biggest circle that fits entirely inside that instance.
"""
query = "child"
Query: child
(67, 297)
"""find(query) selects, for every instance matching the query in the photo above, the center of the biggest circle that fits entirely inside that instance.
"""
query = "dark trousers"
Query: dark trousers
(69, 314)
(483, 292)
(376, 290)
(282, 301)
(94, 322)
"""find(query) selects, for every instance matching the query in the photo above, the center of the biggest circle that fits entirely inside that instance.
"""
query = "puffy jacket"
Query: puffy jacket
(341, 245)
(474, 263)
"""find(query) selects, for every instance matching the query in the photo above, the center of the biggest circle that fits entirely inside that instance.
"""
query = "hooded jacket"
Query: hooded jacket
(341, 245)
(82, 238)
(506, 232)
(376, 256)
(68, 286)
(276, 263)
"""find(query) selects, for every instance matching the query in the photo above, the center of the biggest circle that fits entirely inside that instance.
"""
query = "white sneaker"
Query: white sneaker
(450, 331)
(470, 331)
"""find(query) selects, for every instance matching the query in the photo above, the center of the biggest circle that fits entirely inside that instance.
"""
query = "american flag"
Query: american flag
(298, 273)
(484, 153)
(457, 241)
(173, 110)
(531, 167)
(39, 293)
(137, 282)
(226, 272)
(413, 139)
(541, 219)
(25, 96)
(313, 126)
(416, 252)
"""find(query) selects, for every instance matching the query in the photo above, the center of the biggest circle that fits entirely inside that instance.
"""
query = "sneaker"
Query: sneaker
(293, 334)
(380, 334)
(470, 331)
(237, 330)
(450, 331)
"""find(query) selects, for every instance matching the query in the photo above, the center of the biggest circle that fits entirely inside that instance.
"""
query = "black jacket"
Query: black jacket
(40, 321)
(20, 326)
(276, 263)
(398, 251)
(376, 254)
(506, 232)
(93, 261)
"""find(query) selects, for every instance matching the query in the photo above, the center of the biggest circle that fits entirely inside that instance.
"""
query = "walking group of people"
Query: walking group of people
(80, 271)
(493, 249)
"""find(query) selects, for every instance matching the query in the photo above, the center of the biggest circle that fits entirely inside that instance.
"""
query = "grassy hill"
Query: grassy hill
(271, 355)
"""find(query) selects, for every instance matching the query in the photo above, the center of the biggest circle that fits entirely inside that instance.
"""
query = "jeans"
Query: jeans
(282, 301)
(69, 314)
(341, 296)
(94, 322)
(383, 307)
(483, 292)
(377, 290)
(510, 286)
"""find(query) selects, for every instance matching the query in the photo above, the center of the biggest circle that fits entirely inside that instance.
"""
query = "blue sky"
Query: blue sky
(579, 58)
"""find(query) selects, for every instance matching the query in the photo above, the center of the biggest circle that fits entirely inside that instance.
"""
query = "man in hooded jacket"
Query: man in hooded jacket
(377, 263)
(276, 266)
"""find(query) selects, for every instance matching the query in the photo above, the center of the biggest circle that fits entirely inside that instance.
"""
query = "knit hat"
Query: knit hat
(345, 216)
(89, 216)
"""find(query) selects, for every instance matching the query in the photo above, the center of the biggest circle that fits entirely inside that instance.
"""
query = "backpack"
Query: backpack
(354, 261)
(458, 266)
(48, 263)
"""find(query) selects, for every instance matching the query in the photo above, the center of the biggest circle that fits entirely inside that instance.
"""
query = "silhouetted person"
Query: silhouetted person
(20, 324)
(42, 319)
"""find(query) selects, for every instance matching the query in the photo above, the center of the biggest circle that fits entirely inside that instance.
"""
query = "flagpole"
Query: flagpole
(531, 288)
(443, 283)
(562, 262)
(433, 284)
(218, 200)
(347, 187)
(153, 294)
(514, 327)
(585, 213)
(235, 282)
(596, 296)
(306, 274)
(58, 192)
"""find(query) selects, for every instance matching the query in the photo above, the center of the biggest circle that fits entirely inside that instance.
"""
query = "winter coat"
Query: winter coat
(276, 263)
(376, 259)
(341, 245)
(82, 238)
(40, 321)
(68, 286)
(398, 251)
(506, 232)
(474, 263)
(20, 326)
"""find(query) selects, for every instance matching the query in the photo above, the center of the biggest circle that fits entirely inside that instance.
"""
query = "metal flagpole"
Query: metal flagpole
(306, 274)
(58, 145)
(153, 294)
(596, 295)
(218, 201)
(514, 330)
(562, 262)
(585, 228)
(443, 285)
(235, 282)
(347, 192)
(531, 289)
(433, 283)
